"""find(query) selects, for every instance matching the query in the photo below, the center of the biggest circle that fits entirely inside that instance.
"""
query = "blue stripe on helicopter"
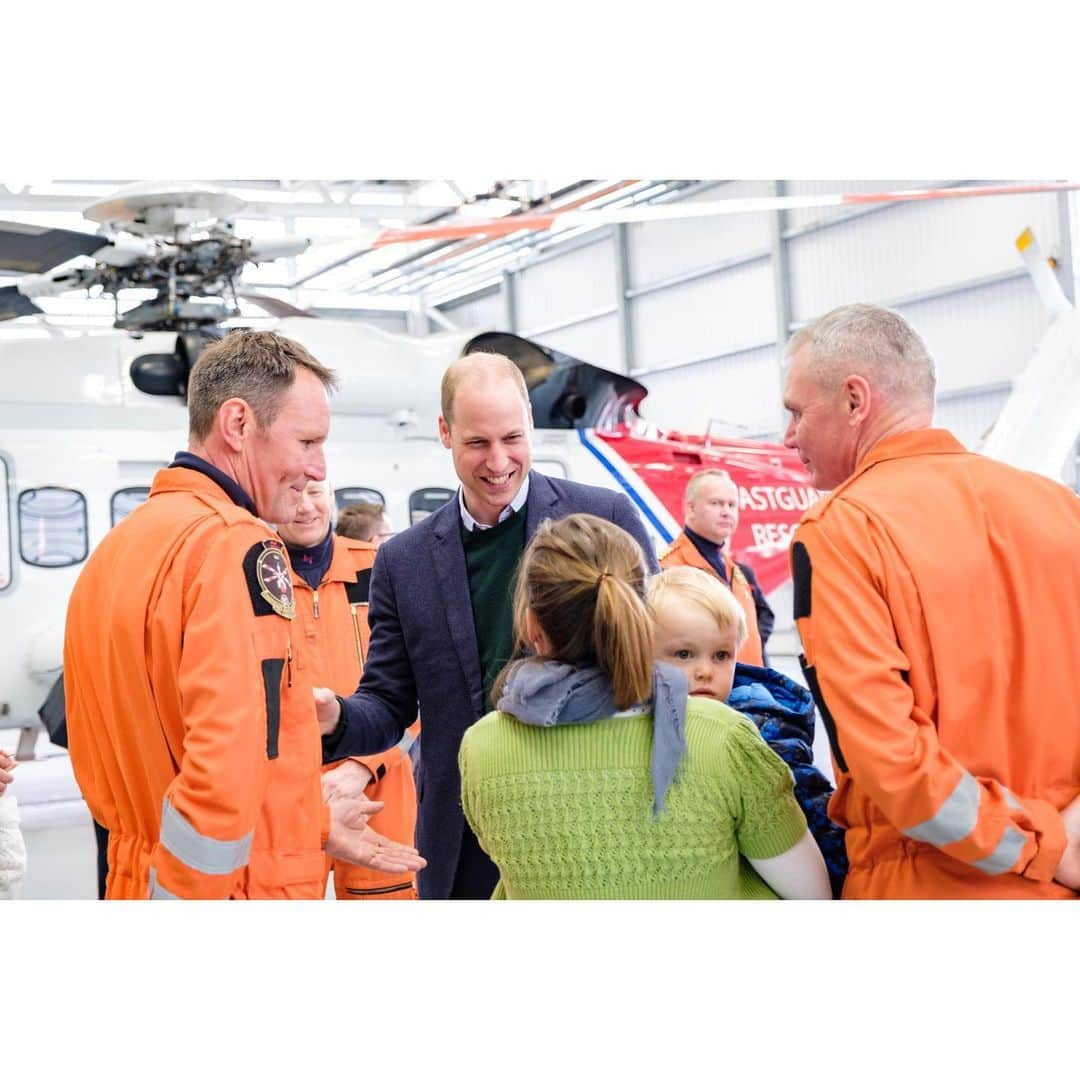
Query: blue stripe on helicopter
(625, 484)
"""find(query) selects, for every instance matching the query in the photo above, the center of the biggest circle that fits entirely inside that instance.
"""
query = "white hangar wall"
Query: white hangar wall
(698, 309)
(486, 308)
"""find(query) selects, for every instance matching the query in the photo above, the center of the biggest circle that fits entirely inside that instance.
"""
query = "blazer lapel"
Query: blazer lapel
(452, 582)
(540, 504)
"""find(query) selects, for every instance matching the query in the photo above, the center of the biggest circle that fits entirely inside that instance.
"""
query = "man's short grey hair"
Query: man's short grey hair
(700, 477)
(875, 342)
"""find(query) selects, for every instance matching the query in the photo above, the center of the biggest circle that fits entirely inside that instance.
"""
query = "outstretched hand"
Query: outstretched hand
(354, 840)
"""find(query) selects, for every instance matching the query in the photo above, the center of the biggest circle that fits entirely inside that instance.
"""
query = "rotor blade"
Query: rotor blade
(669, 211)
(1046, 284)
(13, 304)
(280, 309)
(1036, 428)
(30, 249)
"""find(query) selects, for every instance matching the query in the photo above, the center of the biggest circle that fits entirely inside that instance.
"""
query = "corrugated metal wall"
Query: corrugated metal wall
(485, 310)
(708, 302)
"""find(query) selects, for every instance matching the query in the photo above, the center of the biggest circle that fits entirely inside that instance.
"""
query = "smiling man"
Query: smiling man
(711, 516)
(191, 724)
(440, 612)
(330, 576)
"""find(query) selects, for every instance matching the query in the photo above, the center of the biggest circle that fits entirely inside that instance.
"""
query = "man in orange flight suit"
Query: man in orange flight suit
(330, 577)
(711, 515)
(192, 731)
(935, 594)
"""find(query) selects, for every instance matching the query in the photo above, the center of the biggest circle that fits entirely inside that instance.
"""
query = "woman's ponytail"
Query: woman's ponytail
(623, 639)
(584, 580)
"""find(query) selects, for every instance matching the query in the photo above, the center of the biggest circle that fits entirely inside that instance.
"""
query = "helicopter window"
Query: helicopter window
(426, 500)
(125, 500)
(52, 526)
(343, 496)
(5, 527)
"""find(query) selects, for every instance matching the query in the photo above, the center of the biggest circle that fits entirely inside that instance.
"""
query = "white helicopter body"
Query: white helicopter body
(80, 445)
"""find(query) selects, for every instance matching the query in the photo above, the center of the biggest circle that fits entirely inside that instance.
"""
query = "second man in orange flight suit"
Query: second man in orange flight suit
(330, 584)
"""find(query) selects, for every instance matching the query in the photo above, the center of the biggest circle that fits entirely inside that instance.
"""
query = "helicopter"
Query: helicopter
(176, 239)
(90, 419)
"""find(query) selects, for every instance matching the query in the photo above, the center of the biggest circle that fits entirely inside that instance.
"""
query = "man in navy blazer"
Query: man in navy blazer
(424, 644)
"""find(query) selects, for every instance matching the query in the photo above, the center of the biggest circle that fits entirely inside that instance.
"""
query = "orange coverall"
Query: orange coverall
(332, 638)
(936, 595)
(192, 734)
(683, 553)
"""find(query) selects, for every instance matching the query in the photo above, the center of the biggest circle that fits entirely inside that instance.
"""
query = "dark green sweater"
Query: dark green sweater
(492, 557)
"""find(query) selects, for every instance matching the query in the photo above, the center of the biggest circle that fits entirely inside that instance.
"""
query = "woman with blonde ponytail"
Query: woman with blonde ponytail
(598, 777)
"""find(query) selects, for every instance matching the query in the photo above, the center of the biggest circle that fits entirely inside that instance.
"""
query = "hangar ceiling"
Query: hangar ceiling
(340, 273)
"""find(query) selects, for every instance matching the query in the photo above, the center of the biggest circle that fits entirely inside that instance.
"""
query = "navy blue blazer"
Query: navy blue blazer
(423, 649)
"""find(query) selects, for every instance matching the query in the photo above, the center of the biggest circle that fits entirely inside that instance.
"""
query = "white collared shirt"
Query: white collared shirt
(515, 505)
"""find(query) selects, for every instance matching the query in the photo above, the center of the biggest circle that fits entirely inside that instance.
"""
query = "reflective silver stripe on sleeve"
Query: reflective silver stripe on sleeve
(202, 853)
(1004, 856)
(955, 818)
(1012, 800)
(159, 892)
(405, 743)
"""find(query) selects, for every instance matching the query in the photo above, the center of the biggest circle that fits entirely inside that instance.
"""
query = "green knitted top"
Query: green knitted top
(566, 812)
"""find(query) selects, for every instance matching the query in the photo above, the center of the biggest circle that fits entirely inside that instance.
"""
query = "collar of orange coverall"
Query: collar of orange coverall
(350, 557)
(911, 444)
(905, 445)
(184, 459)
(188, 479)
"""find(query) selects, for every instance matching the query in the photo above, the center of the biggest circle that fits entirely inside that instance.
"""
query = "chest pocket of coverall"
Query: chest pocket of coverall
(291, 725)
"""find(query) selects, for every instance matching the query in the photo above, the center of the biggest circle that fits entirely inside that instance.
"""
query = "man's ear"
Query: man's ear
(233, 419)
(444, 432)
(857, 398)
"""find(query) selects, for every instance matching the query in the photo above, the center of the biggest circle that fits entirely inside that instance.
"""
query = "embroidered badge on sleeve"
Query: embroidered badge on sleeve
(266, 570)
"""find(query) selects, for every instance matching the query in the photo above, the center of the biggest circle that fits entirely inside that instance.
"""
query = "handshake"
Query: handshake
(351, 838)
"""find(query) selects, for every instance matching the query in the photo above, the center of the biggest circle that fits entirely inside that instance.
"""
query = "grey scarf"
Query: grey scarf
(546, 693)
